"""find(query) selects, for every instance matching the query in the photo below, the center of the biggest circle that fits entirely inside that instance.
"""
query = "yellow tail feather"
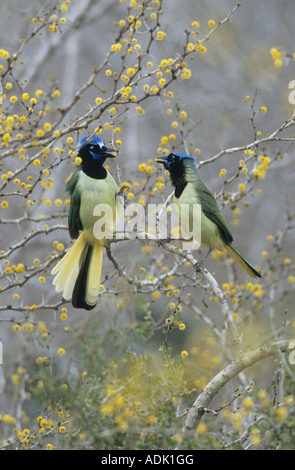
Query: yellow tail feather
(245, 265)
(67, 269)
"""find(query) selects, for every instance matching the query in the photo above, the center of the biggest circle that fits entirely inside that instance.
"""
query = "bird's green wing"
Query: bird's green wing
(73, 215)
(211, 209)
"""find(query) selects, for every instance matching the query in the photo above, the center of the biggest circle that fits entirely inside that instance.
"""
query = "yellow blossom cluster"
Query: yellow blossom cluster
(13, 268)
(276, 54)
(260, 170)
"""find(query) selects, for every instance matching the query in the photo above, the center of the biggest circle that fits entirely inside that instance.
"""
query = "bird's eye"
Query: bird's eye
(170, 158)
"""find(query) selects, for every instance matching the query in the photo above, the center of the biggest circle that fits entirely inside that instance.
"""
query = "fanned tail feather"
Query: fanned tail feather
(68, 267)
(86, 288)
(241, 260)
(78, 273)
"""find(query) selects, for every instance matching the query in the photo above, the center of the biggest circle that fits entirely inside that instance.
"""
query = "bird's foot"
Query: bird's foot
(199, 265)
(122, 191)
(164, 240)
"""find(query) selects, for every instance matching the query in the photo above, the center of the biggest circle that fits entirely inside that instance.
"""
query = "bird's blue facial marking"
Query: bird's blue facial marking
(174, 159)
(97, 150)
(94, 145)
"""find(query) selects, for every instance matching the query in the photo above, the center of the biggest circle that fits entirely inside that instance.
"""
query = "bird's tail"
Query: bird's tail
(77, 274)
(241, 260)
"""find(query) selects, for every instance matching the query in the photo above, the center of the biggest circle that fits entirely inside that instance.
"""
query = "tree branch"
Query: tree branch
(226, 375)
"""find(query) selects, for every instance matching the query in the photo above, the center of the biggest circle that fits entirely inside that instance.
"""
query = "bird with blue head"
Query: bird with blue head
(77, 274)
(189, 189)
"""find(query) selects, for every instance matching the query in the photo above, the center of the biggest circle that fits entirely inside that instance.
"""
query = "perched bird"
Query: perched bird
(78, 273)
(189, 189)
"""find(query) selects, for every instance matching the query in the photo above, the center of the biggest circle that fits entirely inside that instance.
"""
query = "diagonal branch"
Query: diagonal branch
(231, 371)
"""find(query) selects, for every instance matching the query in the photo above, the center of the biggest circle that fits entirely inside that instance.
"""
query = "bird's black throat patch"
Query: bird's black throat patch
(91, 167)
(177, 175)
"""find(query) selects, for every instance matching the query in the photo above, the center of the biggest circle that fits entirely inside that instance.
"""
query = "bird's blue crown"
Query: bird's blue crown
(174, 158)
(184, 155)
(96, 145)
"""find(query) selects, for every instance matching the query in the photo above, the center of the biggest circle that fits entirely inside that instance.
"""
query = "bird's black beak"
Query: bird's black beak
(161, 160)
(110, 153)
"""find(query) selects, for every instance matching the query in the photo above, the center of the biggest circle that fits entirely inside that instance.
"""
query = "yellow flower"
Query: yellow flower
(278, 63)
(149, 170)
(142, 167)
(64, 6)
(156, 294)
(275, 53)
(139, 110)
(25, 97)
(152, 419)
(116, 47)
(61, 351)
(185, 74)
(6, 418)
(281, 413)
(107, 408)
(56, 94)
(201, 49)
(39, 93)
(248, 403)
(184, 353)
(154, 89)
(161, 35)
(211, 23)
(201, 428)
(4, 54)
(130, 71)
(190, 47)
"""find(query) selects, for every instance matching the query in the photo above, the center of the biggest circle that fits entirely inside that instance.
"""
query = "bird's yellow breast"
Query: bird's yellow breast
(95, 195)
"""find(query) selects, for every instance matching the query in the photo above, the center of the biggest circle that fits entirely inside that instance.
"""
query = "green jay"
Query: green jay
(78, 273)
(189, 189)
